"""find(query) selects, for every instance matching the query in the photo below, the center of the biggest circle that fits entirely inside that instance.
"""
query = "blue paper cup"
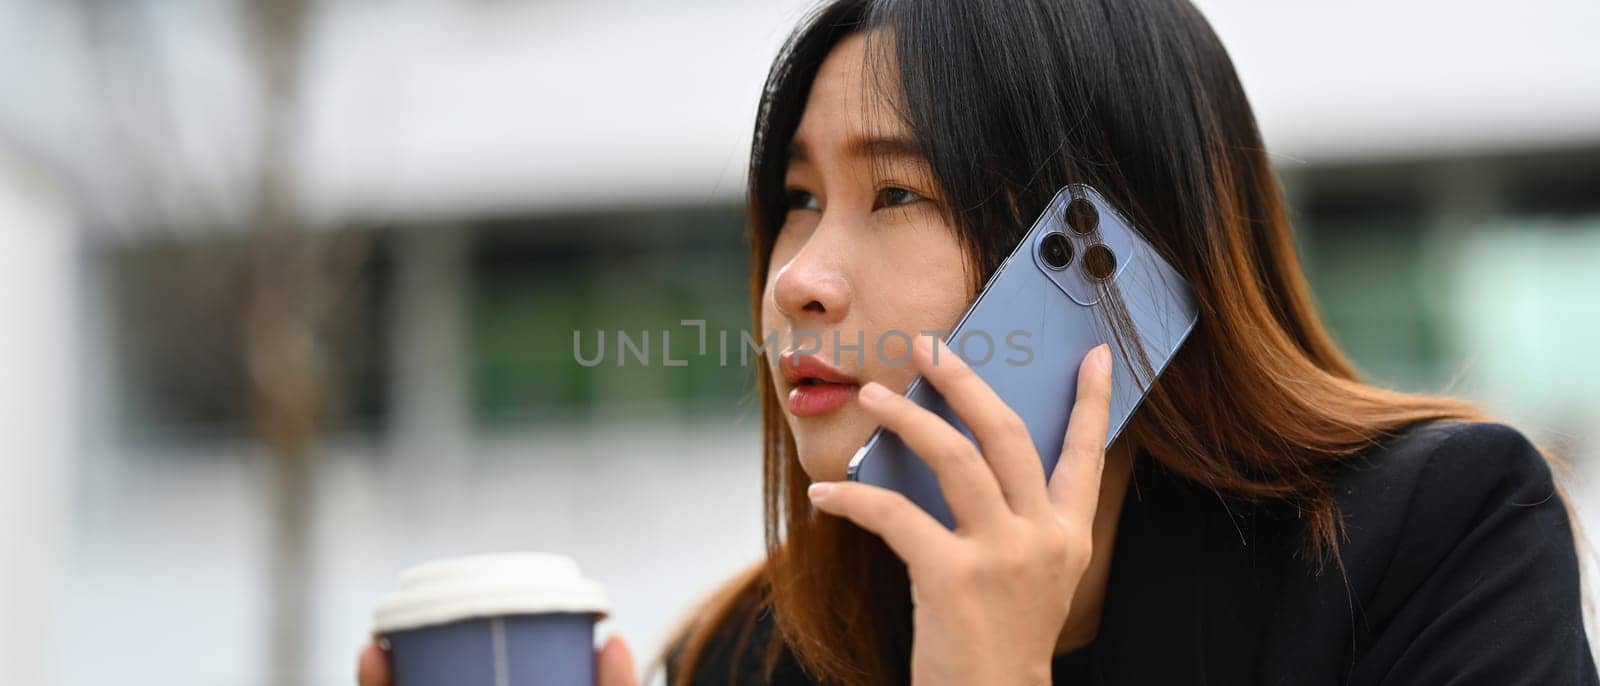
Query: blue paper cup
(513, 619)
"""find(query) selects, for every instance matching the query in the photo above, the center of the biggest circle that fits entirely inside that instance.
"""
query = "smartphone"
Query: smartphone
(1030, 327)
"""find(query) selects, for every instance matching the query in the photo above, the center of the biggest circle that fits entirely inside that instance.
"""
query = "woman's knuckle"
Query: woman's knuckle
(1007, 559)
(1077, 549)
(1012, 422)
(1057, 547)
(964, 572)
(886, 509)
(1083, 453)
(960, 452)
(1079, 564)
(1015, 563)
(969, 451)
(959, 371)
(1006, 423)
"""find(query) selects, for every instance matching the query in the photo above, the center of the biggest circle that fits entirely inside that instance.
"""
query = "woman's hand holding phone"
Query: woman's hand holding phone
(991, 596)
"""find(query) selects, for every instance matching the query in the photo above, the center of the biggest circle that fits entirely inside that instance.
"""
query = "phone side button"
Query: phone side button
(855, 463)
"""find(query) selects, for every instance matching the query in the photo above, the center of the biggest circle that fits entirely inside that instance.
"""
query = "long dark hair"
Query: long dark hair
(1010, 100)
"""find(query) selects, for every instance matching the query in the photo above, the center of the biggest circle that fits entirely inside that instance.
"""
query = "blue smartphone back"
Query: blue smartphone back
(1029, 329)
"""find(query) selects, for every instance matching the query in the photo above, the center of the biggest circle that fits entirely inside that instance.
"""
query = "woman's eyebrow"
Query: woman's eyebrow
(860, 146)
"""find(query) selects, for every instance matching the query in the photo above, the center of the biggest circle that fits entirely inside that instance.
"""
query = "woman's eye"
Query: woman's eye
(891, 196)
(801, 200)
(797, 199)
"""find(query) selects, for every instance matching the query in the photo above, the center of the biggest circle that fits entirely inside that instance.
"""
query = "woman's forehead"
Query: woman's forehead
(847, 116)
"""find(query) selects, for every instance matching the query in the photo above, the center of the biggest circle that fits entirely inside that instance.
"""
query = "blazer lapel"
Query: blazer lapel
(1184, 604)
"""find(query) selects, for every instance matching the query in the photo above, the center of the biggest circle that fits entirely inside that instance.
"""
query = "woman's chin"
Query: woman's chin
(824, 451)
(820, 465)
(828, 458)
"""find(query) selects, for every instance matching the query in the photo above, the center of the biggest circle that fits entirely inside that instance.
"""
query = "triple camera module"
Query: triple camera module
(1056, 251)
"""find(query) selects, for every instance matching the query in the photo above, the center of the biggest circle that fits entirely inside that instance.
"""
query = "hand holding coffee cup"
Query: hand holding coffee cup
(520, 619)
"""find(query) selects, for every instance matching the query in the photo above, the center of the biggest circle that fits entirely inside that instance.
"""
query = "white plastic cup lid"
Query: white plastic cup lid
(497, 585)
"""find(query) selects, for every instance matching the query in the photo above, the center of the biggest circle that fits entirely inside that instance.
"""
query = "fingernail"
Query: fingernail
(819, 490)
(874, 391)
(1103, 355)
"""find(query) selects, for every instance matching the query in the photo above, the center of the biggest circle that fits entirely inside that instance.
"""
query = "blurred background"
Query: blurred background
(289, 290)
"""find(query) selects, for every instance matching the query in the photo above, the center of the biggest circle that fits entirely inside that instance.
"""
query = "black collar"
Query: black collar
(1192, 584)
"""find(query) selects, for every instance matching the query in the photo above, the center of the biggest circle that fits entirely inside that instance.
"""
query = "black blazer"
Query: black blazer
(1460, 568)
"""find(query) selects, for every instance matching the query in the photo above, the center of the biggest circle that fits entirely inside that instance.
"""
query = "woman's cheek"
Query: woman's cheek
(771, 319)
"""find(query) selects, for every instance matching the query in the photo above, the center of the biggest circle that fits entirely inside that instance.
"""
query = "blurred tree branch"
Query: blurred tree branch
(279, 277)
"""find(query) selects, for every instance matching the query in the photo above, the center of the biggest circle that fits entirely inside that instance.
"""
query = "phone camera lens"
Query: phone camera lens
(1082, 216)
(1099, 262)
(1056, 251)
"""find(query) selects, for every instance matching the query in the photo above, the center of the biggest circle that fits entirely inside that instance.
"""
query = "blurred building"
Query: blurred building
(516, 172)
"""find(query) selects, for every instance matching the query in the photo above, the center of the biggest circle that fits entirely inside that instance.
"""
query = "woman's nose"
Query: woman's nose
(812, 288)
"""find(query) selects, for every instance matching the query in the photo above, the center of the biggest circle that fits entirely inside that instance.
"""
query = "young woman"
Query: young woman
(1265, 517)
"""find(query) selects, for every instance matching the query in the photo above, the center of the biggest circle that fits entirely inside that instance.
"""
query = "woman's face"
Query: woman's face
(862, 264)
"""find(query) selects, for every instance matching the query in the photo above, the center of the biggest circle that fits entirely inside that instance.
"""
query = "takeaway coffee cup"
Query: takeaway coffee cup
(512, 619)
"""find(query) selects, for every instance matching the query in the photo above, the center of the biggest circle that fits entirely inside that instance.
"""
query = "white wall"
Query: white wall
(38, 306)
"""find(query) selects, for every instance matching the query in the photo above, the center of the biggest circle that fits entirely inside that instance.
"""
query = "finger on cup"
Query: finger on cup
(372, 666)
(616, 663)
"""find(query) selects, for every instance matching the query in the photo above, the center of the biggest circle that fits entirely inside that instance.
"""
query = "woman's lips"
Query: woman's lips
(811, 399)
(819, 387)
